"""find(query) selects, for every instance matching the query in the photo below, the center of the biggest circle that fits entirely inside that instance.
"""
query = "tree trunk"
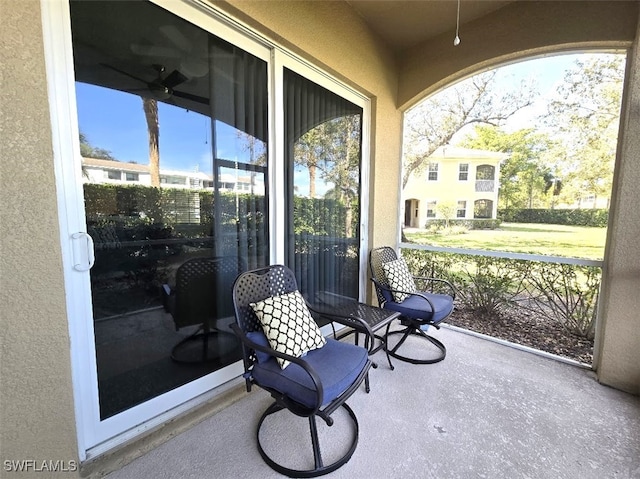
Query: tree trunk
(312, 179)
(150, 106)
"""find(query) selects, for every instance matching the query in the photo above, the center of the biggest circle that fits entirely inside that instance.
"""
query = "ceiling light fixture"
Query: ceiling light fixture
(456, 41)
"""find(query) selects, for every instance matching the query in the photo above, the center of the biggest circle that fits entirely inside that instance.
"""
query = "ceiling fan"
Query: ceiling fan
(163, 88)
(192, 53)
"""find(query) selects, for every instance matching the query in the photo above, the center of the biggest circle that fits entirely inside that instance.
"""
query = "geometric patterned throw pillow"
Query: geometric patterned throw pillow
(399, 278)
(288, 325)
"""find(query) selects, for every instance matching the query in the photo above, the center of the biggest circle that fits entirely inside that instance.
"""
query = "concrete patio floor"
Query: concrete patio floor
(486, 411)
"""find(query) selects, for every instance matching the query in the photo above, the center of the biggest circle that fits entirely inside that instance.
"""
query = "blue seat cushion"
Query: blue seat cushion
(337, 365)
(418, 308)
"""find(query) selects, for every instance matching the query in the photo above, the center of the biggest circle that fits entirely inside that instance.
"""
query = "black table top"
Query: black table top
(328, 304)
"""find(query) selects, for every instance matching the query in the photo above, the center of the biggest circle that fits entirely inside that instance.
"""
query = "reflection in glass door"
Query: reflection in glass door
(173, 133)
(323, 138)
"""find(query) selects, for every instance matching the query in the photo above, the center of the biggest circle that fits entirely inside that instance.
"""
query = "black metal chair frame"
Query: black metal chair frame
(191, 301)
(275, 280)
(412, 326)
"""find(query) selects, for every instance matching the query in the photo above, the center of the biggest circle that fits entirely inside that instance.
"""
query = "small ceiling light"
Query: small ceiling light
(456, 41)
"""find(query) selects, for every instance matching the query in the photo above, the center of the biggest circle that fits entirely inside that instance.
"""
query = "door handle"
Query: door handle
(79, 262)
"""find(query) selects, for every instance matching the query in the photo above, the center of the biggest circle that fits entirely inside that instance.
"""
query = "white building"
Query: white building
(101, 171)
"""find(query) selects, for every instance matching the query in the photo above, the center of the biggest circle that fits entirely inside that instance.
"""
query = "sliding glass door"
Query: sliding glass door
(174, 139)
(190, 151)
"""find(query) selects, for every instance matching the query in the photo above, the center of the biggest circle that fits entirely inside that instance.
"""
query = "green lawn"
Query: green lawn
(554, 240)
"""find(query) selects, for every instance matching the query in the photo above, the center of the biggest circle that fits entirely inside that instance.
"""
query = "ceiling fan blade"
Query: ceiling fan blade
(124, 73)
(192, 97)
(176, 37)
(154, 51)
(174, 79)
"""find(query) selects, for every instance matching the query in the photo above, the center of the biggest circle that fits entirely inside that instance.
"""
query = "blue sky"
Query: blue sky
(115, 121)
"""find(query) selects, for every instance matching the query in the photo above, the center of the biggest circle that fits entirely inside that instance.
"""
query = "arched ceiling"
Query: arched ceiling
(420, 34)
(405, 23)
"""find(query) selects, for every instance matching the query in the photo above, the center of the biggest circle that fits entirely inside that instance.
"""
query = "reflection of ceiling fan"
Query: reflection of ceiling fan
(192, 57)
(163, 88)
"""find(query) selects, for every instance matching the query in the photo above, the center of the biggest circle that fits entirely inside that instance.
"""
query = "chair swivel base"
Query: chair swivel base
(320, 468)
(413, 331)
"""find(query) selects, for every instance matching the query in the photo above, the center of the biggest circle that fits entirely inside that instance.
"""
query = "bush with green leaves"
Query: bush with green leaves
(573, 217)
(488, 286)
(483, 284)
(567, 294)
(563, 293)
(470, 224)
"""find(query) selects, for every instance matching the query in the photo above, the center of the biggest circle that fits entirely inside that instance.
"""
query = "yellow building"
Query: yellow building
(464, 181)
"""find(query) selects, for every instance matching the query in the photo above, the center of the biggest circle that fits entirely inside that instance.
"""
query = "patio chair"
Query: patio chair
(202, 296)
(308, 375)
(396, 290)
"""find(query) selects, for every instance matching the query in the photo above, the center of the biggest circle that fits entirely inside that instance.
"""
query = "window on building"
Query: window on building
(486, 172)
(132, 176)
(114, 174)
(431, 209)
(173, 180)
(461, 211)
(483, 209)
(433, 172)
(463, 172)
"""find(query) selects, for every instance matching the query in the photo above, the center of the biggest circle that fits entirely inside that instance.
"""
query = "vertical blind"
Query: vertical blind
(238, 93)
(322, 157)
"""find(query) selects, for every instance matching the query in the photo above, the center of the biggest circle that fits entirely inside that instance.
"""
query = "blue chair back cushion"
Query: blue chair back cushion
(416, 307)
(260, 338)
(337, 364)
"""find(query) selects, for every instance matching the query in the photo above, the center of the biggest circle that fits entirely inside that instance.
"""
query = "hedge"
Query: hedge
(575, 217)
(472, 224)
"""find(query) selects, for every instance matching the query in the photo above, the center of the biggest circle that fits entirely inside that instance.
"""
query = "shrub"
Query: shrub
(488, 285)
(567, 294)
(483, 284)
(574, 217)
(469, 224)
(563, 293)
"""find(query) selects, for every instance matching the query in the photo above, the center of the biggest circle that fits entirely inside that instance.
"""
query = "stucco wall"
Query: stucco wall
(36, 400)
(619, 358)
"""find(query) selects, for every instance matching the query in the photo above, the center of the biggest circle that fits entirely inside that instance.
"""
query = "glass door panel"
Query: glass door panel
(173, 134)
(323, 137)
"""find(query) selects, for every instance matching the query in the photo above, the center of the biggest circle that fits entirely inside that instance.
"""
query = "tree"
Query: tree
(585, 114)
(524, 174)
(89, 151)
(447, 211)
(332, 151)
(344, 166)
(150, 107)
(310, 151)
(478, 100)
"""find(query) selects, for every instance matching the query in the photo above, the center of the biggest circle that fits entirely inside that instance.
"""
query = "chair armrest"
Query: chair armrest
(272, 352)
(452, 289)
